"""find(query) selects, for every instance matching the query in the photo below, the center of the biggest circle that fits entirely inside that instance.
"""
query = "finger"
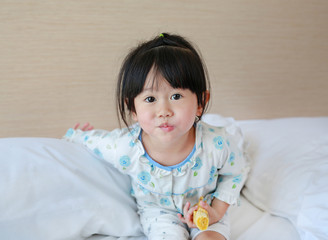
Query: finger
(205, 205)
(90, 128)
(191, 213)
(192, 209)
(76, 126)
(186, 208)
(186, 221)
(85, 126)
(189, 216)
(182, 219)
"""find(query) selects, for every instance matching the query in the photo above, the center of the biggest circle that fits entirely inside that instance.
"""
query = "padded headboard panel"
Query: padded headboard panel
(59, 59)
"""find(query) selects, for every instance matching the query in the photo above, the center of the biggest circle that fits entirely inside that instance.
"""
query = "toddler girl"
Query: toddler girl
(172, 157)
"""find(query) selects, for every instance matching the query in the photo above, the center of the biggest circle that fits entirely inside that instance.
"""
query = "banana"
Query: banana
(201, 217)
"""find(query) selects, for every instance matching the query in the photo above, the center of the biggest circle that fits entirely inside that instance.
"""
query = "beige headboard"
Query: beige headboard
(59, 59)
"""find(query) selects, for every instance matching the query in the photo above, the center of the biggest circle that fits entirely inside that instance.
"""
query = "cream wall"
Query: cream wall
(59, 59)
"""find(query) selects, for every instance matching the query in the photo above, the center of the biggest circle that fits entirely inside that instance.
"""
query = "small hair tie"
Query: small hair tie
(161, 35)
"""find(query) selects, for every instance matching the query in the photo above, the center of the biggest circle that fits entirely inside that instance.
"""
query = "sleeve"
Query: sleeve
(101, 143)
(234, 168)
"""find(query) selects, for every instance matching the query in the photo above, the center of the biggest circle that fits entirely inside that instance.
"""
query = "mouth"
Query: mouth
(166, 127)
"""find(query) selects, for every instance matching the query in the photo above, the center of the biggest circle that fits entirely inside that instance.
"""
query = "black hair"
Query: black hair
(171, 56)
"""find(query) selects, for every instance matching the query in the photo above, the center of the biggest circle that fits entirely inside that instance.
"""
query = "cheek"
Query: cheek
(188, 114)
(142, 116)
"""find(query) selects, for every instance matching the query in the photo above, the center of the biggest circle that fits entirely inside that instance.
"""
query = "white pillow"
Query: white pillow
(289, 170)
(53, 189)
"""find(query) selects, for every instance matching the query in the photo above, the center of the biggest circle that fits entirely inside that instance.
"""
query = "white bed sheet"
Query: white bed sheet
(249, 223)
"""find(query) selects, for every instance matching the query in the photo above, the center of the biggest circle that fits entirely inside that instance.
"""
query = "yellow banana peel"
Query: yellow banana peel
(201, 218)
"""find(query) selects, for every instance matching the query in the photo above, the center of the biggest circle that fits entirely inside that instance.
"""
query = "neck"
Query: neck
(170, 153)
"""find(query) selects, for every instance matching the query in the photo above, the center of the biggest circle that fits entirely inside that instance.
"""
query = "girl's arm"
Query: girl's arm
(99, 142)
(234, 167)
(216, 211)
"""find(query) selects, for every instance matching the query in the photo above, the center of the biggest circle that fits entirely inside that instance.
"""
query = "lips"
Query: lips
(166, 127)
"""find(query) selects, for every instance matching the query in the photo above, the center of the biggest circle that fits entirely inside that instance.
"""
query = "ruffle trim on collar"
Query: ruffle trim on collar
(157, 170)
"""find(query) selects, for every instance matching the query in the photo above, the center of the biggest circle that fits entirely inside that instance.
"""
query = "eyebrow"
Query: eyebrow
(150, 89)
(147, 89)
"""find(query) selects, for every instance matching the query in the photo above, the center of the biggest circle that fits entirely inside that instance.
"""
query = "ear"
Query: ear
(132, 113)
(200, 109)
(207, 96)
(134, 117)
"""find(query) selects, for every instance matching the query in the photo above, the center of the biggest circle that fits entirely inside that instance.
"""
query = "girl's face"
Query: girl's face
(164, 113)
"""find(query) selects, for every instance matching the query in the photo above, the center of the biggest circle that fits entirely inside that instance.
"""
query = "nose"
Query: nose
(164, 110)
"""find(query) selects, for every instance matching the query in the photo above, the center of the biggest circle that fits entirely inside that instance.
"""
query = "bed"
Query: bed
(53, 189)
(267, 63)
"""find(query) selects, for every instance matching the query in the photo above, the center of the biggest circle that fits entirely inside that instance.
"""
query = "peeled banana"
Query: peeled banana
(201, 217)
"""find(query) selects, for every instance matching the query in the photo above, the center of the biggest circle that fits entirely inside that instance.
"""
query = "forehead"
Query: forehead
(155, 80)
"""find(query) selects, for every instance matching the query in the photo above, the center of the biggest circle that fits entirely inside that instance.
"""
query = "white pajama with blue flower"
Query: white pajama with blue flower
(216, 167)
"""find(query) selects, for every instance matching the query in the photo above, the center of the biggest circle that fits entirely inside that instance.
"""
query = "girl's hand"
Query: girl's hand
(215, 212)
(85, 127)
(188, 215)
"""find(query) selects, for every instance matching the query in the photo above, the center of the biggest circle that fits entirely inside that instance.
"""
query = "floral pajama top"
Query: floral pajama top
(215, 168)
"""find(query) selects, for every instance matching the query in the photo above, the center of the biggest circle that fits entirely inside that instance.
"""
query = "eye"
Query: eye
(150, 99)
(176, 96)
